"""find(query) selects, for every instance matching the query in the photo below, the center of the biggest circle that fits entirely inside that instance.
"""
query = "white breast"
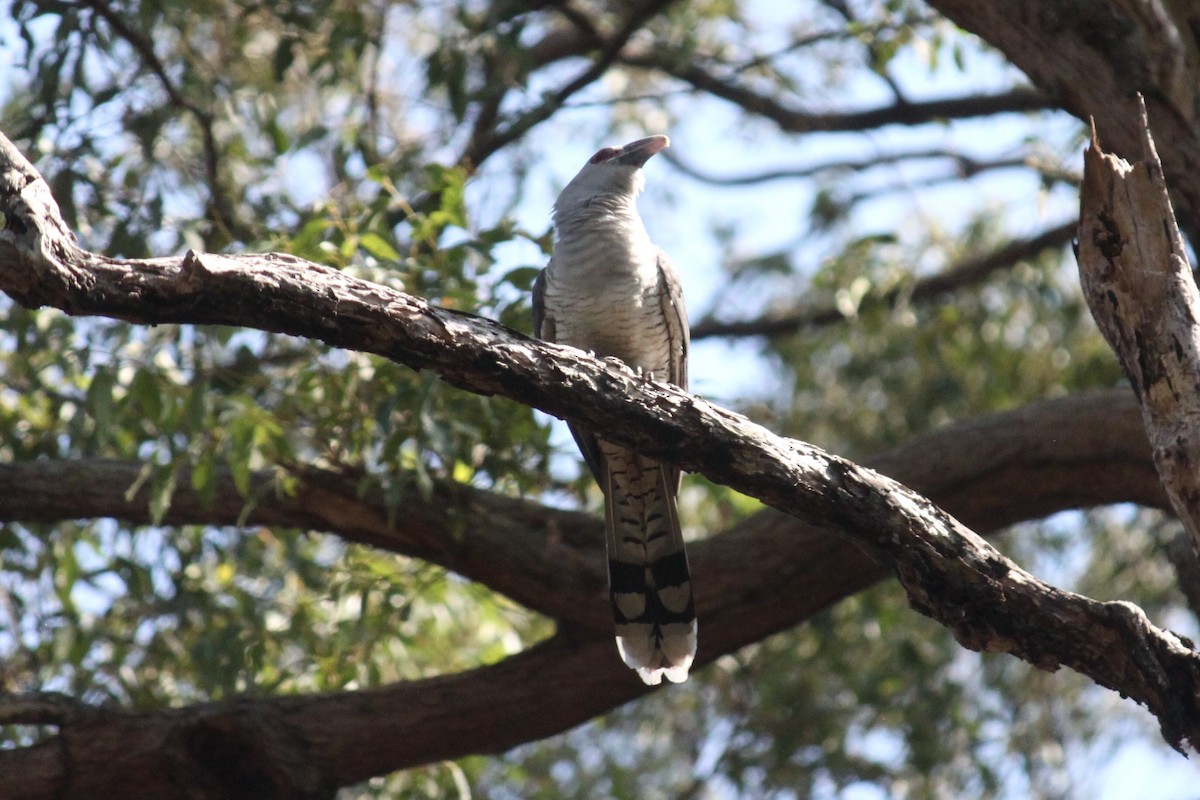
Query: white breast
(603, 293)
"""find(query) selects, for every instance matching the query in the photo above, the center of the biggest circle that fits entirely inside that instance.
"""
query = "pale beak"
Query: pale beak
(635, 154)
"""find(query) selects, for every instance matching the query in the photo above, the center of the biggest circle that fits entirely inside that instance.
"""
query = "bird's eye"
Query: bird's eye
(604, 155)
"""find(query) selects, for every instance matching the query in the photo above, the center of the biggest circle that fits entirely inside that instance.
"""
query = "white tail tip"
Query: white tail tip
(658, 652)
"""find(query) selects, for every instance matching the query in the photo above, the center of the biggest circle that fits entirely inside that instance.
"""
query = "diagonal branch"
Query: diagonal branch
(483, 144)
(1133, 267)
(949, 572)
(963, 166)
(794, 570)
(994, 471)
(770, 573)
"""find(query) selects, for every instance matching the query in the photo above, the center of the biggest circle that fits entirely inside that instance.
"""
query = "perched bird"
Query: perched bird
(609, 290)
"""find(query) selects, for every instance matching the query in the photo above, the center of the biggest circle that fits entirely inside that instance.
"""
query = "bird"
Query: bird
(607, 289)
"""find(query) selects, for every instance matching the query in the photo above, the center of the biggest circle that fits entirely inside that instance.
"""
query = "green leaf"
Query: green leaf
(377, 246)
(203, 481)
(100, 402)
(146, 394)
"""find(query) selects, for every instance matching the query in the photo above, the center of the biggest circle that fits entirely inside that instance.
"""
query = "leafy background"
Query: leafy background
(420, 146)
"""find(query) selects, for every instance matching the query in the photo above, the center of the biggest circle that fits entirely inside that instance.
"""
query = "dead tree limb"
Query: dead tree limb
(1138, 283)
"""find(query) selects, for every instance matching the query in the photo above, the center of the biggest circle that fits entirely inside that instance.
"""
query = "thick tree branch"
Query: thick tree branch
(968, 272)
(769, 574)
(798, 570)
(549, 560)
(1135, 274)
(988, 602)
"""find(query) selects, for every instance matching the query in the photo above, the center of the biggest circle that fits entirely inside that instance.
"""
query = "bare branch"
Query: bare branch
(964, 166)
(968, 272)
(769, 574)
(42, 708)
(841, 33)
(546, 559)
(792, 120)
(551, 560)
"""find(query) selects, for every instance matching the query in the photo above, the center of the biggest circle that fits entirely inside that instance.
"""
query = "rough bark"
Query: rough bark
(1135, 275)
(305, 746)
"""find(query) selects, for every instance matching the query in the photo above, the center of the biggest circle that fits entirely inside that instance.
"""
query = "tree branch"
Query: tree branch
(994, 471)
(483, 144)
(968, 272)
(219, 204)
(549, 560)
(963, 165)
(564, 42)
(793, 120)
(770, 573)
(988, 602)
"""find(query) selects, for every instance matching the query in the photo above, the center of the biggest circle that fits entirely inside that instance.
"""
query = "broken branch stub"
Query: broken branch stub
(1138, 283)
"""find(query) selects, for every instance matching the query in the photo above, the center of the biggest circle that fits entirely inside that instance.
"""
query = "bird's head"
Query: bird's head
(612, 172)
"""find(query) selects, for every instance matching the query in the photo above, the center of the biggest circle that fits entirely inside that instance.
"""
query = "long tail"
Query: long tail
(648, 575)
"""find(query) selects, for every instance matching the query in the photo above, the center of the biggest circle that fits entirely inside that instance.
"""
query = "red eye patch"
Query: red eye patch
(604, 155)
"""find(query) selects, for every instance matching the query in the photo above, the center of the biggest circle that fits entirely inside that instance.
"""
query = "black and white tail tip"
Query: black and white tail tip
(655, 617)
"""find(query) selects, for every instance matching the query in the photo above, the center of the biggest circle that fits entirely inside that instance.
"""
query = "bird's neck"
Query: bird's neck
(607, 227)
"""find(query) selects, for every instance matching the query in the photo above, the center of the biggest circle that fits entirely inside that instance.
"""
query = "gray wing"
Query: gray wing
(678, 331)
(675, 314)
(544, 327)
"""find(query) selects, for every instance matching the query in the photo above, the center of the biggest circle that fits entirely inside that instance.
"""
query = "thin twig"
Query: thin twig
(223, 217)
(481, 148)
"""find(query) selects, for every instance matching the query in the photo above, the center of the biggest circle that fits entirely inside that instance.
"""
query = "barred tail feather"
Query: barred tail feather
(649, 580)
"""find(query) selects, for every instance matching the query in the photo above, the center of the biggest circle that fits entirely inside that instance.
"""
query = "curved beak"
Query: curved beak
(635, 154)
